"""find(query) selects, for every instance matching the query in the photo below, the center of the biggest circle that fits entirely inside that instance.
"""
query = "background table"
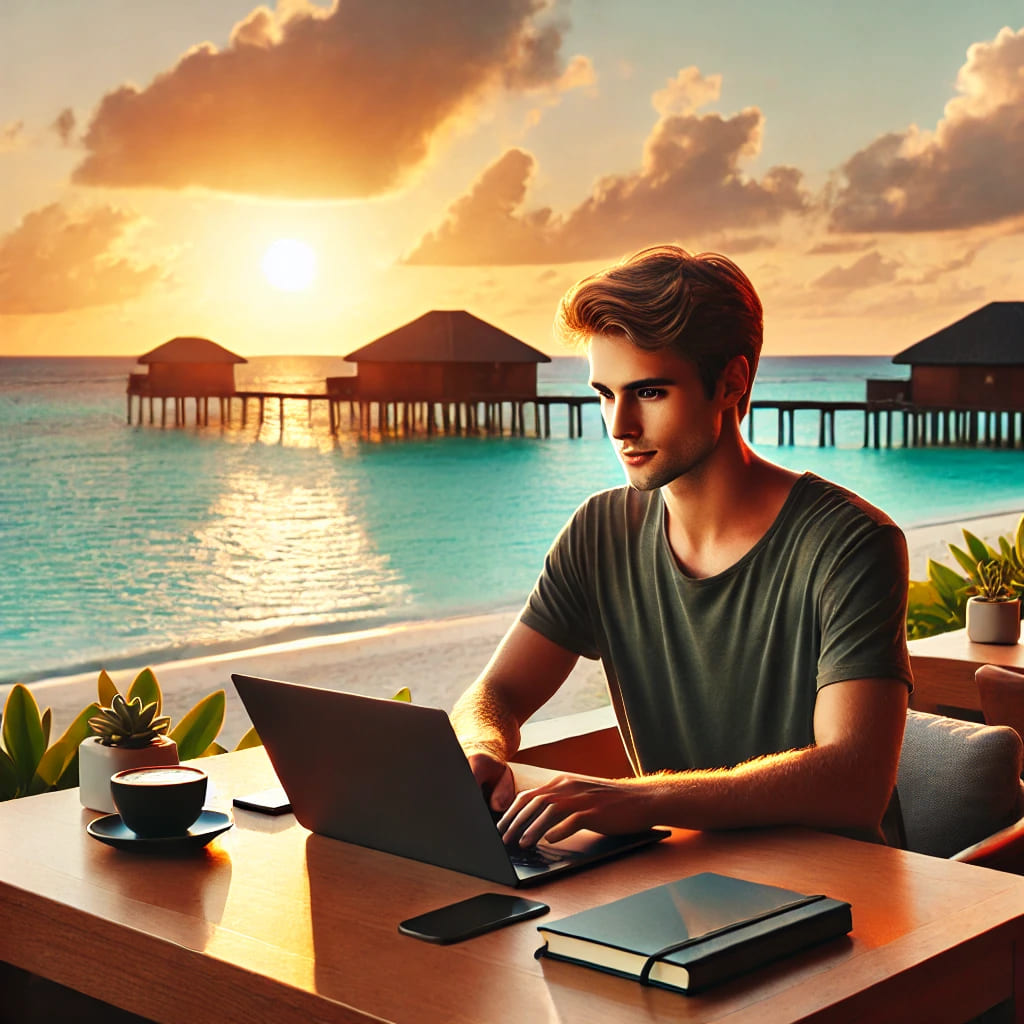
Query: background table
(944, 668)
(271, 923)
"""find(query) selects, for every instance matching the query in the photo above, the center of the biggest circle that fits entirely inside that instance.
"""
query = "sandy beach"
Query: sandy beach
(436, 660)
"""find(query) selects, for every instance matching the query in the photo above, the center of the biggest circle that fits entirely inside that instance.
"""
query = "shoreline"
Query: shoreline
(436, 658)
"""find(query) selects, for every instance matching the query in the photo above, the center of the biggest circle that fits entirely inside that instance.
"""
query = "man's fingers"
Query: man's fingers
(503, 792)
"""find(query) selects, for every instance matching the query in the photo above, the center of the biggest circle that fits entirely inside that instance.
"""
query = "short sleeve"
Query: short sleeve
(558, 607)
(863, 609)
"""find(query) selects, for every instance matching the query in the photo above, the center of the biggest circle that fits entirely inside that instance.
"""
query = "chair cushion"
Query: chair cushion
(958, 782)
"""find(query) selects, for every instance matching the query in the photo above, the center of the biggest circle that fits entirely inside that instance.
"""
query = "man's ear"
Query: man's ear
(734, 383)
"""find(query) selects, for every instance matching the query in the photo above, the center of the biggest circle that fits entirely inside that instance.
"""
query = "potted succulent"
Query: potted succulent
(993, 607)
(128, 734)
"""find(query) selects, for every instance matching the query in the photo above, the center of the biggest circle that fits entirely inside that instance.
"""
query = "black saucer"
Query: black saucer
(111, 830)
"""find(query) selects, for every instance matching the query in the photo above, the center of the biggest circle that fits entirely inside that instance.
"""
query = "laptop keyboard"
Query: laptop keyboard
(541, 855)
(536, 856)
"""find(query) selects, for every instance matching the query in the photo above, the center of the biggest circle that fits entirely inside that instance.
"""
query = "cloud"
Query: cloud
(54, 261)
(12, 136)
(965, 173)
(839, 247)
(689, 185)
(313, 102)
(871, 269)
(64, 125)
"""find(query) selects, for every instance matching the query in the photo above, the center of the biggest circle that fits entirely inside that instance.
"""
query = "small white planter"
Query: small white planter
(96, 763)
(993, 622)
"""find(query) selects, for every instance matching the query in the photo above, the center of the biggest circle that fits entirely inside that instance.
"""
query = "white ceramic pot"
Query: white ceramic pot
(993, 622)
(96, 763)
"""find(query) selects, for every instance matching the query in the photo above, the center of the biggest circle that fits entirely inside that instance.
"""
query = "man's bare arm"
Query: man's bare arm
(843, 781)
(524, 672)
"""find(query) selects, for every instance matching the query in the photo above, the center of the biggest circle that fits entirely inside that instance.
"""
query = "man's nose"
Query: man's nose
(621, 419)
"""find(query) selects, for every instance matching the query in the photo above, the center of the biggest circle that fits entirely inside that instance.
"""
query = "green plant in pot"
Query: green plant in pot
(939, 603)
(993, 607)
(129, 731)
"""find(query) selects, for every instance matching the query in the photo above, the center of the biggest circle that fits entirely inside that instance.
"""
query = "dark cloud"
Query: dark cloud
(311, 102)
(689, 185)
(871, 269)
(64, 125)
(965, 173)
(55, 261)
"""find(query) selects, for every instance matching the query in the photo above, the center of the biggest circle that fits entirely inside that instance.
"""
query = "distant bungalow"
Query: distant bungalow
(184, 368)
(975, 363)
(443, 356)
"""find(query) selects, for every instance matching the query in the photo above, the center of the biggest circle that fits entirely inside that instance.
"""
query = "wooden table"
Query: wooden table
(944, 668)
(271, 923)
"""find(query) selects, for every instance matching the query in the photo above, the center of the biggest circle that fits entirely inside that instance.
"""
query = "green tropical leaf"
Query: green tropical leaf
(404, 694)
(146, 687)
(213, 750)
(23, 733)
(250, 739)
(979, 550)
(46, 722)
(1018, 541)
(105, 689)
(967, 561)
(946, 581)
(8, 777)
(53, 770)
(199, 728)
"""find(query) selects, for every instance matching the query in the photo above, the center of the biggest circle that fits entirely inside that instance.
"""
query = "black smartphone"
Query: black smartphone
(471, 917)
(267, 801)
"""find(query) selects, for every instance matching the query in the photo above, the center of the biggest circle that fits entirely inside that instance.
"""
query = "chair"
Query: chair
(1002, 696)
(959, 791)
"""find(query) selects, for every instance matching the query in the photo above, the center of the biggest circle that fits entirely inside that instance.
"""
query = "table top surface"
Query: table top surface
(272, 922)
(954, 646)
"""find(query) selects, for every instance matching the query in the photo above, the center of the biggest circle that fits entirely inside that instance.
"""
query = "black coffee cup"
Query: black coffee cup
(159, 801)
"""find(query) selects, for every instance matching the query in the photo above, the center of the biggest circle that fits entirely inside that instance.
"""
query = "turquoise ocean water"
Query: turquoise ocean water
(122, 545)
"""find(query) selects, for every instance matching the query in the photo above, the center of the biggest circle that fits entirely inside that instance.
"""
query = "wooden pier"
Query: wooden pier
(529, 415)
(919, 426)
(886, 423)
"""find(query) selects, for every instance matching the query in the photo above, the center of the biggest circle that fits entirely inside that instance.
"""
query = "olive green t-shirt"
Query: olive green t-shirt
(707, 673)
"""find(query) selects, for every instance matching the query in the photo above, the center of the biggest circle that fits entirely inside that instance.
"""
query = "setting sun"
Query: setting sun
(289, 265)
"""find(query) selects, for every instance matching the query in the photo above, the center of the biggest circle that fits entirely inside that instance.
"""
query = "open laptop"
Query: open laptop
(392, 776)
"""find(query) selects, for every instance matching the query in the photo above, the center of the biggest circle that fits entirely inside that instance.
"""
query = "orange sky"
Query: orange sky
(863, 168)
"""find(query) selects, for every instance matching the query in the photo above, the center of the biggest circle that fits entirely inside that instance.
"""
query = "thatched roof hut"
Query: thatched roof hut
(190, 366)
(975, 363)
(446, 356)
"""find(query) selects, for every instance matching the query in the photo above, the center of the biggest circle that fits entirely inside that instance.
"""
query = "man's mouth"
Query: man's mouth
(633, 456)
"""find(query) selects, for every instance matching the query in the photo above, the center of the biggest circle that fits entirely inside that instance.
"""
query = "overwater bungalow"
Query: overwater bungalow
(446, 356)
(448, 366)
(183, 368)
(975, 363)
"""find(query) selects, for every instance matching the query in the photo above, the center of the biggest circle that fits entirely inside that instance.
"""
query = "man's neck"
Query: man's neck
(717, 514)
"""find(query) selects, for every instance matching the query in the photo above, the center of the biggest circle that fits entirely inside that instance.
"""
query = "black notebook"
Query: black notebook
(695, 932)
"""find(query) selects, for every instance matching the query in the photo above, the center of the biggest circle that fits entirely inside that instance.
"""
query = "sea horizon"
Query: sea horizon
(125, 545)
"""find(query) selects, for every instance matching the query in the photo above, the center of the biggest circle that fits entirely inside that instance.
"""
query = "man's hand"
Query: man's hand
(494, 777)
(569, 803)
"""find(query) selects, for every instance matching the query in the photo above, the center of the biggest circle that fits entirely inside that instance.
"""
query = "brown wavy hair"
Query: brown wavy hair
(703, 306)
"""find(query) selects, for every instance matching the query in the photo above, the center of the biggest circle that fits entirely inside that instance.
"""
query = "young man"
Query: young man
(751, 621)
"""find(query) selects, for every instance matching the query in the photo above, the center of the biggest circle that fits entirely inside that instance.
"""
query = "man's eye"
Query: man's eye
(649, 393)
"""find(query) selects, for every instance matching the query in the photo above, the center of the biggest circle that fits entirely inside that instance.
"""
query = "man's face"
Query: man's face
(658, 417)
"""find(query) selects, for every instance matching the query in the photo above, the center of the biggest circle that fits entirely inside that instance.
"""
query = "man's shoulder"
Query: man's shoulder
(836, 506)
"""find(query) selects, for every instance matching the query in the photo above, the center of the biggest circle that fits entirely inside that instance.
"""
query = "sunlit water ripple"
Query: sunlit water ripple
(122, 544)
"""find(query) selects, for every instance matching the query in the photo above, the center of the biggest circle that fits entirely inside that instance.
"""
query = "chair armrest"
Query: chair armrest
(1003, 850)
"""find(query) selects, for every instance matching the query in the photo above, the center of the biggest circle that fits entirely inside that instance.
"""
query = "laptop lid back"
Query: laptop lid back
(379, 773)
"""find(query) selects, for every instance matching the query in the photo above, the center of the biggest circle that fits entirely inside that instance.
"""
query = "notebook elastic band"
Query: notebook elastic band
(725, 929)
